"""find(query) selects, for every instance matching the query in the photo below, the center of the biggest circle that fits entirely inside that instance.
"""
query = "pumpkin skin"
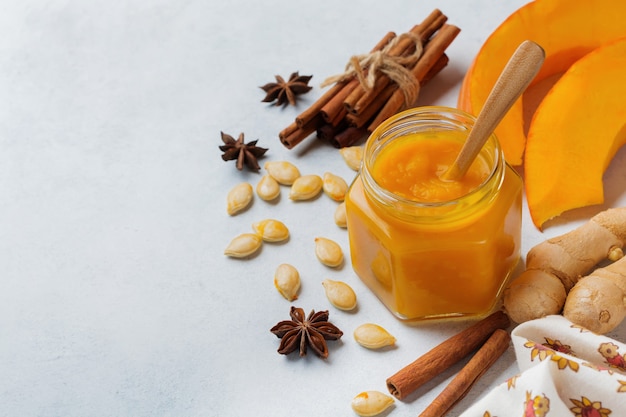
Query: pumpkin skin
(575, 132)
(566, 29)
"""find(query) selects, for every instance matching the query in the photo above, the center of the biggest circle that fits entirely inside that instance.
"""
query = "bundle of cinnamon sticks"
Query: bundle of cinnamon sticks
(349, 110)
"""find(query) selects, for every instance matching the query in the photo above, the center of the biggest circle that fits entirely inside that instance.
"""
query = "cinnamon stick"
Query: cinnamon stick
(301, 128)
(433, 50)
(461, 384)
(367, 114)
(288, 131)
(439, 65)
(327, 131)
(350, 102)
(384, 41)
(444, 355)
(312, 111)
(294, 134)
(348, 137)
(361, 119)
(333, 110)
(360, 98)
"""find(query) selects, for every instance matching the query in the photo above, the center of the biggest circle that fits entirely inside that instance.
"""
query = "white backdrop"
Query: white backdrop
(115, 296)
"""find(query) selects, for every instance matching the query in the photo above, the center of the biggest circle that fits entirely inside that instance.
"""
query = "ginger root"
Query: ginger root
(554, 266)
(598, 301)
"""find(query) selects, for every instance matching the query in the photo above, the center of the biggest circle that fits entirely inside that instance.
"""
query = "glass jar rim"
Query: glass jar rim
(464, 119)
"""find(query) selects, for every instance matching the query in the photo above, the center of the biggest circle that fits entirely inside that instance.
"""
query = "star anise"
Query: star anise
(298, 333)
(243, 152)
(286, 91)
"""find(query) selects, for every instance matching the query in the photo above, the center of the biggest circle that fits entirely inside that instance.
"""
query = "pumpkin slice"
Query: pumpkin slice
(575, 133)
(567, 30)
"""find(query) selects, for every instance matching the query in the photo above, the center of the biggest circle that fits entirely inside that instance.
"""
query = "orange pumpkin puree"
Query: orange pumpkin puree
(411, 167)
(453, 265)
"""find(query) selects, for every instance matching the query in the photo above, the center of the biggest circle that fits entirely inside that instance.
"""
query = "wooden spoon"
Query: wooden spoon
(517, 74)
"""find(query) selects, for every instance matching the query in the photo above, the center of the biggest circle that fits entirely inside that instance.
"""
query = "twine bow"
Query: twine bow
(366, 67)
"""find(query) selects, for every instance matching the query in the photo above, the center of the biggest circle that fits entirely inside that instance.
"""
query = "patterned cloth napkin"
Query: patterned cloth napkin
(565, 371)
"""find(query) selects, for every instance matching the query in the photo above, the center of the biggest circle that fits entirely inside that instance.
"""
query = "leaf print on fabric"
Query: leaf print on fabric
(510, 383)
(563, 362)
(537, 406)
(587, 408)
(622, 386)
(609, 352)
(538, 350)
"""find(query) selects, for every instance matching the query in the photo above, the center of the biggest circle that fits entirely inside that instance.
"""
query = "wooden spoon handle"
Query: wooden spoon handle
(515, 77)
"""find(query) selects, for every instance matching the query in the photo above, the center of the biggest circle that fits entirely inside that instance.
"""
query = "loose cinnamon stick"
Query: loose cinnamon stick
(461, 384)
(433, 50)
(444, 355)
(360, 98)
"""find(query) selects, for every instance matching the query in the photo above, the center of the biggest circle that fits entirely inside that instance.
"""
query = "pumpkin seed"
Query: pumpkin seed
(268, 188)
(340, 294)
(352, 155)
(306, 187)
(334, 186)
(328, 252)
(340, 215)
(282, 171)
(373, 336)
(287, 281)
(371, 403)
(238, 198)
(243, 245)
(271, 230)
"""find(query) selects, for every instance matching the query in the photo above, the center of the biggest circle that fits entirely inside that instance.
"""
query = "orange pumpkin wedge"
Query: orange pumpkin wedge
(567, 30)
(575, 133)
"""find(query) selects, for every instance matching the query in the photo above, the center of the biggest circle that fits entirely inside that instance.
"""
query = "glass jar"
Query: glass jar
(434, 259)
